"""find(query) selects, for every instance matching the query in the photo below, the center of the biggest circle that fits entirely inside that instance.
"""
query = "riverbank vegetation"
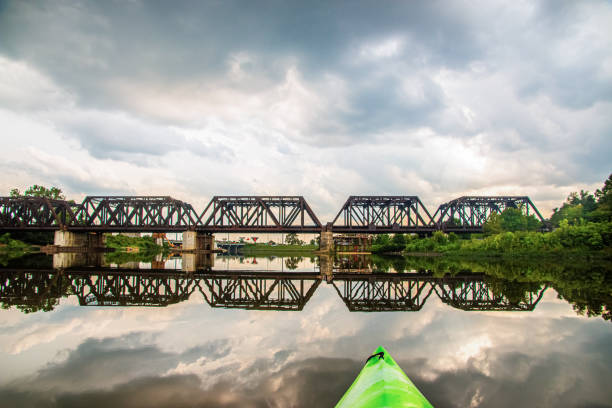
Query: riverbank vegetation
(582, 223)
(132, 249)
(12, 248)
(582, 280)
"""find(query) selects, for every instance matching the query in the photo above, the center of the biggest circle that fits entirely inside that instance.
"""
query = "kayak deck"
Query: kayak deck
(382, 383)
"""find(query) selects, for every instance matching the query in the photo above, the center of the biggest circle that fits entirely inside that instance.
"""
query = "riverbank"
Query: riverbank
(265, 249)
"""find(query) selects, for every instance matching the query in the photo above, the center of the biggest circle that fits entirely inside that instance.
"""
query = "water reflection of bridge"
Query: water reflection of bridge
(32, 290)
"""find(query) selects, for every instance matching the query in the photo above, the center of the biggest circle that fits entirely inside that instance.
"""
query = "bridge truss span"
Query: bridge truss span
(469, 213)
(138, 213)
(383, 294)
(381, 214)
(36, 213)
(258, 214)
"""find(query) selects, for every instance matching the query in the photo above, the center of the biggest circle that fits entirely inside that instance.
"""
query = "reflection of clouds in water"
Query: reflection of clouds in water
(516, 379)
(189, 347)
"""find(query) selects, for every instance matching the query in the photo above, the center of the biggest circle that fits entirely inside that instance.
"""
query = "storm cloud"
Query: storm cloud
(431, 98)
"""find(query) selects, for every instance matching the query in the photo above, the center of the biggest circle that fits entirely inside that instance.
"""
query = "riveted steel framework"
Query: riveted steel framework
(259, 214)
(480, 294)
(35, 213)
(382, 294)
(131, 289)
(382, 214)
(468, 214)
(360, 214)
(138, 213)
(279, 292)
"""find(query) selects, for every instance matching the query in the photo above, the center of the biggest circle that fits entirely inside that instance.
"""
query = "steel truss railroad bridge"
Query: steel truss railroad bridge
(40, 288)
(252, 214)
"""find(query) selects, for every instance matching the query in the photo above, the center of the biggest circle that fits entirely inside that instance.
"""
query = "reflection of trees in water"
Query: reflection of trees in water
(33, 291)
(516, 285)
(584, 283)
(292, 262)
(589, 293)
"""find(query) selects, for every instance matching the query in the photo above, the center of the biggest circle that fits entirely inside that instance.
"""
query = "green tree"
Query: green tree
(512, 219)
(292, 239)
(603, 212)
(53, 193)
(381, 239)
(399, 239)
(492, 225)
(577, 208)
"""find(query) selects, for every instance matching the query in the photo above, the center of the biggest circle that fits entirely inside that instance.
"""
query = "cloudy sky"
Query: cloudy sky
(322, 99)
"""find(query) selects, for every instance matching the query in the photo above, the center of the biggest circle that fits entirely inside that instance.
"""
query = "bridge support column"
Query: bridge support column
(326, 244)
(194, 241)
(63, 260)
(79, 239)
(194, 262)
(326, 267)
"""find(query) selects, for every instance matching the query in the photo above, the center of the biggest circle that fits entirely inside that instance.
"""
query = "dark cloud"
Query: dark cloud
(137, 77)
(156, 44)
(118, 136)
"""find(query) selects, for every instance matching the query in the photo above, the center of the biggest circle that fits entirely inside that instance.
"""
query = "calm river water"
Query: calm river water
(294, 332)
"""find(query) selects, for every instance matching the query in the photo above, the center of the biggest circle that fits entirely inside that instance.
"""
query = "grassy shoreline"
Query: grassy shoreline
(265, 249)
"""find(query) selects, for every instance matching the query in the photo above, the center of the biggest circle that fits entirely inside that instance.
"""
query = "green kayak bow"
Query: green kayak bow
(382, 383)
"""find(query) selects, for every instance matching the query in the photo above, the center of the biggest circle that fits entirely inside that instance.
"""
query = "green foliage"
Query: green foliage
(40, 191)
(293, 262)
(493, 225)
(123, 241)
(120, 257)
(381, 239)
(589, 236)
(511, 219)
(254, 249)
(577, 208)
(34, 237)
(147, 249)
(399, 239)
(603, 212)
(383, 243)
(292, 239)
(12, 244)
(438, 242)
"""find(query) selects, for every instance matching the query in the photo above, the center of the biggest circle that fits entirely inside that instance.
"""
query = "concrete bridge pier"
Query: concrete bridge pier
(326, 267)
(326, 243)
(63, 260)
(70, 239)
(195, 261)
(195, 241)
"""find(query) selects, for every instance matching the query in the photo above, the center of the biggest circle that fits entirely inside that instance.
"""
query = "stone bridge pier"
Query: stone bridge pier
(326, 242)
(71, 239)
(63, 260)
(197, 241)
(326, 267)
(196, 261)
